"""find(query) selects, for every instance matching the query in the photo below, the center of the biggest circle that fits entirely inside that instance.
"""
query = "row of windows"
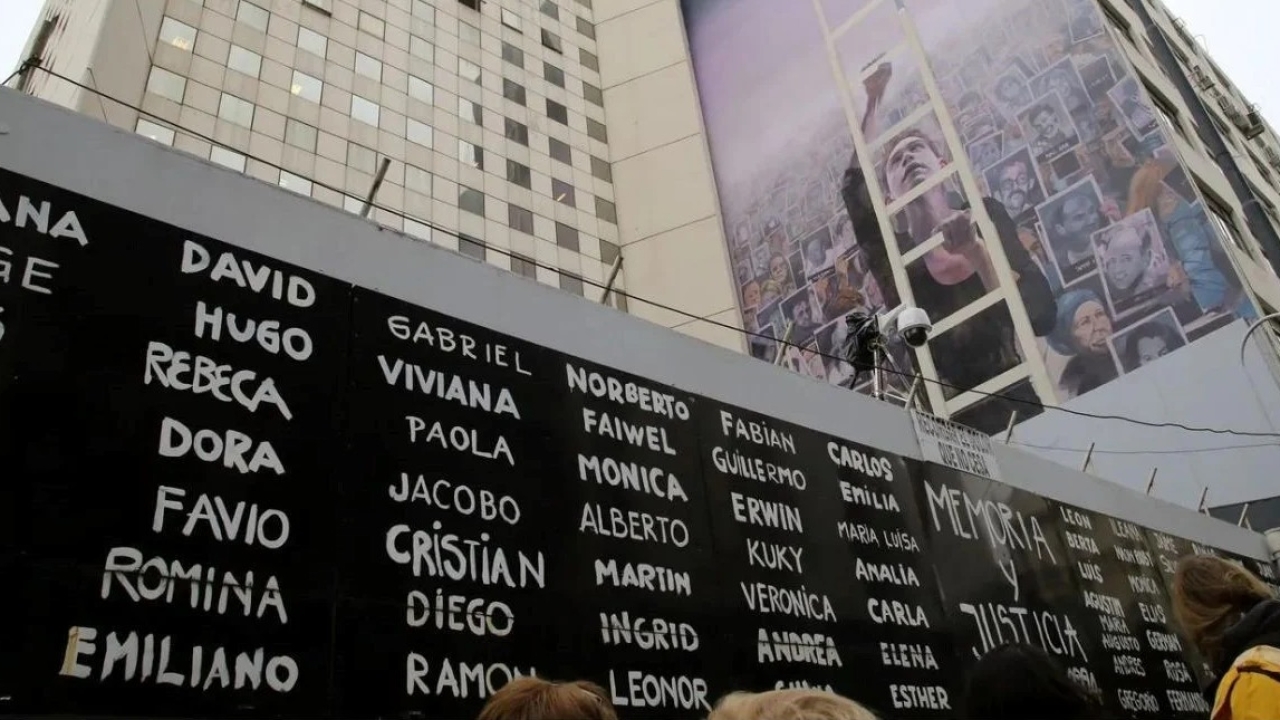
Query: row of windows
(551, 74)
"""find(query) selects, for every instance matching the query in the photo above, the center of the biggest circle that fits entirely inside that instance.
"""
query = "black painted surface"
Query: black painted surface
(666, 546)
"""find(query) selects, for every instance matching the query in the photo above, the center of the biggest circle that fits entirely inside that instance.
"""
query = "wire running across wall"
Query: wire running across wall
(692, 317)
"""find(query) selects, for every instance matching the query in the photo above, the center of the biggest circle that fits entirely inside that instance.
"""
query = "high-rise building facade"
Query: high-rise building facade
(490, 114)
(1071, 188)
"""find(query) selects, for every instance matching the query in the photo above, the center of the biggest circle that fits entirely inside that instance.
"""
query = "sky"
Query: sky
(1239, 34)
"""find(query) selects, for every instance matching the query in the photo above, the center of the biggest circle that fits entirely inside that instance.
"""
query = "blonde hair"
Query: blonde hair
(1209, 595)
(1145, 187)
(788, 705)
(531, 698)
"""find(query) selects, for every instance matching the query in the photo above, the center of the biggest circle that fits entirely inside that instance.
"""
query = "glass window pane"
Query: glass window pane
(468, 33)
(516, 131)
(586, 28)
(324, 5)
(470, 112)
(524, 266)
(352, 204)
(300, 135)
(470, 200)
(597, 131)
(423, 9)
(422, 231)
(560, 151)
(419, 133)
(362, 158)
(585, 3)
(510, 19)
(551, 41)
(606, 211)
(608, 252)
(234, 110)
(372, 25)
(557, 112)
(567, 237)
(252, 15)
(519, 174)
(417, 179)
(313, 42)
(468, 70)
(159, 133)
(553, 74)
(296, 183)
(166, 84)
(244, 61)
(227, 158)
(550, 9)
(306, 87)
(179, 35)
(368, 66)
(420, 48)
(420, 89)
(571, 283)
(520, 219)
(471, 247)
(470, 154)
(513, 91)
(513, 54)
(364, 110)
(589, 61)
(600, 168)
(592, 94)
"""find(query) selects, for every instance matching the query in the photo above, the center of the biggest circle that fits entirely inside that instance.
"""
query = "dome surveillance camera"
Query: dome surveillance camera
(914, 326)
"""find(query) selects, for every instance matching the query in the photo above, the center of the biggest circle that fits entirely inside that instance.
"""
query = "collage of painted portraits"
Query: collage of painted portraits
(1115, 259)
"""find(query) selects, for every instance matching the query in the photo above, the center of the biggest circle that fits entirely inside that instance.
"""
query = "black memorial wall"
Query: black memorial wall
(239, 488)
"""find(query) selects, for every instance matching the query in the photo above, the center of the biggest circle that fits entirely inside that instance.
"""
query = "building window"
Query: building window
(592, 94)
(471, 155)
(571, 283)
(372, 25)
(300, 135)
(515, 131)
(470, 112)
(601, 169)
(179, 35)
(518, 174)
(324, 6)
(562, 192)
(306, 87)
(361, 158)
(1164, 109)
(423, 9)
(470, 200)
(420, 48)
(473, 4)
(365, 111)
(1119, 23)
(252, 15)
(244, 61)
(557, 112)
(597, 131)
(1222, 219)
(513, 54)
(368, 66)
(586, 28)
(159, 133)
(608, 253)
(352, 204)
(551, 41)
(553, 74)
(166, 84)
(524, 266)
(295, 183)
(513, 91)
(236, 111)
(468, 33)
(468, 70)
(588, 60)
(606, 211)
(550, 9)
(520, 219)
(417, 179)
(471, 247)
(420, 89)
(560, 151)
(510, 19)
(313, 42)
(419, 132)
(567, 237)
(585, 3)
(227, 158)
(422, 231)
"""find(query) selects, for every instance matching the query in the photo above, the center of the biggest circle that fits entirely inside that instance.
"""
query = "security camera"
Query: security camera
(914, 326)
(911, 323)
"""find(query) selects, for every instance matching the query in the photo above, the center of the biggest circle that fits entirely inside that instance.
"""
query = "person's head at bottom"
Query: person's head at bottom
(1223, 607)
(531, 698)
(1022, 682)
(788, 705)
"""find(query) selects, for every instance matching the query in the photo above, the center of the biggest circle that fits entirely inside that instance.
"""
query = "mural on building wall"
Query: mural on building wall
(1111, 252)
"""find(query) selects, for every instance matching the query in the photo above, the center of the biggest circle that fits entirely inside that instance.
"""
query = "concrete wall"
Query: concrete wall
(84, 156)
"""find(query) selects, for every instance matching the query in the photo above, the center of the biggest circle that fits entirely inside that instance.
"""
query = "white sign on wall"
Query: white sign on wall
(956, 446)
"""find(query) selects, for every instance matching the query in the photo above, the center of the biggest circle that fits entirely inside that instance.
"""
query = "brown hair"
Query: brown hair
(1209, 595)
(531, 698)
(788, 705)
